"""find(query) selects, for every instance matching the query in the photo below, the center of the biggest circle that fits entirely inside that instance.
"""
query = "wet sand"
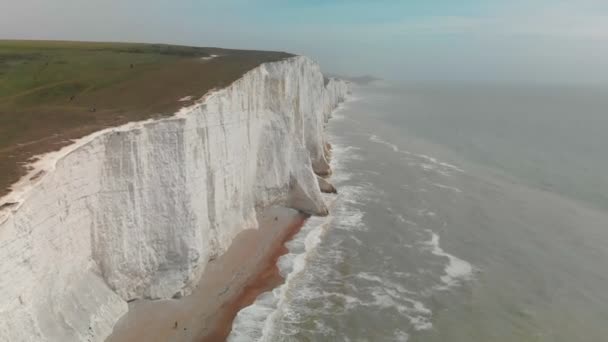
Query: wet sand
(229, 283)
(267, 279)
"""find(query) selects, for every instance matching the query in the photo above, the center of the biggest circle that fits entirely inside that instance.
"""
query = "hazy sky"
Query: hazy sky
(510, 40)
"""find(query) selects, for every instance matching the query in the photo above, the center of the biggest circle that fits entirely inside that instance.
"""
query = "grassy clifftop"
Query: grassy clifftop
(51, 91)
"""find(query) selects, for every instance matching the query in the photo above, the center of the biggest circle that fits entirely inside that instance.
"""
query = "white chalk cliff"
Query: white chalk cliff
(137, 211)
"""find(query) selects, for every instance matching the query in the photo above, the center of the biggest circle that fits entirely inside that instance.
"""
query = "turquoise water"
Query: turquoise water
(464, 213)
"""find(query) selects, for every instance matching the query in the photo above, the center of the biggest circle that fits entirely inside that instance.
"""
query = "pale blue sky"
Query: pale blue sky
(516, 40)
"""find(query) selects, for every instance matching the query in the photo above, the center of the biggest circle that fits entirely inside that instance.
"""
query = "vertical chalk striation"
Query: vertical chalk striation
(137, 211)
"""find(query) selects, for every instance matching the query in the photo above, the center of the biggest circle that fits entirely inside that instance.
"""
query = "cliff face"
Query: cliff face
(137, 211)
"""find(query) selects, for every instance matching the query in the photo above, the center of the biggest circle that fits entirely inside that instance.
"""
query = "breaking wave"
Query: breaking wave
(427, 162)
(456, 268)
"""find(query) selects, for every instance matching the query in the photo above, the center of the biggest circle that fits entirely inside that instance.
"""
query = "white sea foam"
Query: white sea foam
(378, 140)
(274, 312)
(456, 269)
(417, 314)
(402, 219)
(403, 275)
(437, 162)
(347, 302)
(341, 155)
(386, 283)
(431, 163)
(446, 187)
(338, 116)
(425, 213)
(357, 240)
(350, 218)
(256, 322)
(390, 295)
(351, 221)
(338, 113)
(400, 336)
(369, 277)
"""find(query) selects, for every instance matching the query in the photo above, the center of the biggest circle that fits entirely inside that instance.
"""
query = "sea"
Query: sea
(465, 212)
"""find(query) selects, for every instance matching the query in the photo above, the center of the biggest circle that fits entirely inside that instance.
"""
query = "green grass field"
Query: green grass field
(52, 91)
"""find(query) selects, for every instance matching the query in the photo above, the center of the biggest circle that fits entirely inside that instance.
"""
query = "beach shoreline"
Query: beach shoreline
(229, 283)
(267, 278)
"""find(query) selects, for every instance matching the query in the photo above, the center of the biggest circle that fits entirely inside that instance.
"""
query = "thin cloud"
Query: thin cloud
(555, 26)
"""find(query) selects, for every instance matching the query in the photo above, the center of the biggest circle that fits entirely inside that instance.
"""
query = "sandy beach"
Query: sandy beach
(229, 283)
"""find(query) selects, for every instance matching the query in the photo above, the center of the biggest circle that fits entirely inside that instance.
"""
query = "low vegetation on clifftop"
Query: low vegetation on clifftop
(53, 91)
